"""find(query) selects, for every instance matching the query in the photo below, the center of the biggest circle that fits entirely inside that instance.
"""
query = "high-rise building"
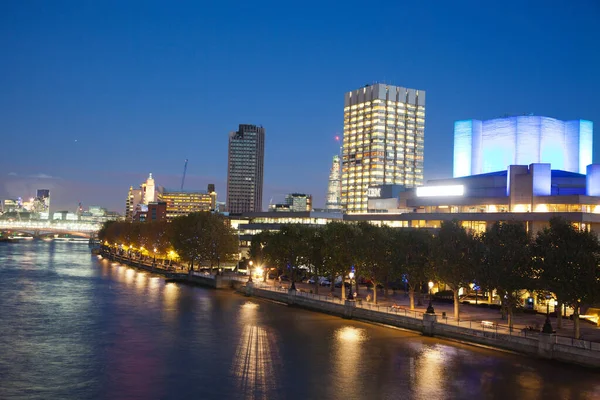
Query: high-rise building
(384, 130)
(134, 198)
(245, 169)
(489, 146)
(334, 188)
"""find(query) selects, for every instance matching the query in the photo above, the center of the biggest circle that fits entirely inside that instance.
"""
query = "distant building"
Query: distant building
(334, 188)
(384, 130)
(279, 207)
(42, 201)
(245, 169)
(299, 202)
(177, 202)
(154, 211)
(488, 146)
(149, 191)
(134, 198)
(183, 203)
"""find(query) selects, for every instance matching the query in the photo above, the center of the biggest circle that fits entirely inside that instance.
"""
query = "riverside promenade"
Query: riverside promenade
(478, 326)
(469, 313)
(176, 273)
(472, 330)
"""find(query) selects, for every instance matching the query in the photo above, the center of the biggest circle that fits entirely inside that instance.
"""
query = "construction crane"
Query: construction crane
(184, 171)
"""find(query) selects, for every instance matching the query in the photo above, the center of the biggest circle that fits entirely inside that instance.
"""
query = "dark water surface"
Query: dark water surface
(76, 327)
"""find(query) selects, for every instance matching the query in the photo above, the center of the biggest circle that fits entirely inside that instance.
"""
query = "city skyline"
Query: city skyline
(86, 84)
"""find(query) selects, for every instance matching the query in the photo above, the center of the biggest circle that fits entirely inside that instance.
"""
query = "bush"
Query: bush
(444, 293)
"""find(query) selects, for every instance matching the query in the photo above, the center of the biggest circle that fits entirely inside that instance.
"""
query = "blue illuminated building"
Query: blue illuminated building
(487, 146)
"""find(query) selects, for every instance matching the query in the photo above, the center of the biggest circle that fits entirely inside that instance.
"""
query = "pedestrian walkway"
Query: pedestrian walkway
(469, 314)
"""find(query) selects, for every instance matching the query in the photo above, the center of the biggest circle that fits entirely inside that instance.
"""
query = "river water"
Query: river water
(73, 326)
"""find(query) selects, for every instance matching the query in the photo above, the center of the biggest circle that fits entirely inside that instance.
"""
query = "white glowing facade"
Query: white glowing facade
(384, 130)
(334, 188)
(488, 146)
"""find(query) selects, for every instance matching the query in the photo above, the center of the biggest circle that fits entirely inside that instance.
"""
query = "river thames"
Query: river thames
(73, 326)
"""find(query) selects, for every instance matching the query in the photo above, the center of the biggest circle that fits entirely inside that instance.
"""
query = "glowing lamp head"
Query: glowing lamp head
(351, 275)
(250, 262)
(430, 284)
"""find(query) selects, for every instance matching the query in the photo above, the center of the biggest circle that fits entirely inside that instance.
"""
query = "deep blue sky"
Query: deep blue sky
(97, 94)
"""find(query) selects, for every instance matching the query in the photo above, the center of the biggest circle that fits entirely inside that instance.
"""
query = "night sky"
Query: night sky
(97, 94)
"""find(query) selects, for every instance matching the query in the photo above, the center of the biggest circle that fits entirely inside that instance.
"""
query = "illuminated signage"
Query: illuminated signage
(374, 192)
(440, 191)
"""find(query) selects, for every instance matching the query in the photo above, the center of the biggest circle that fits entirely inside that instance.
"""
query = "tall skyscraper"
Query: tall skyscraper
(489, 146)
(334, 188)
(245, 169)
(384, 130)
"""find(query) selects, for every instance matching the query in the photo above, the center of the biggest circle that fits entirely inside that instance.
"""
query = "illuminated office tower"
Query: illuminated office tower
(489, 146)
(384, 128)
(245, 169)
(134, 198)
(333, 201)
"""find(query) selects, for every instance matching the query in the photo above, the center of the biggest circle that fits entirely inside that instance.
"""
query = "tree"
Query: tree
(454, 258)
(567, 263)
(314, 242)
(223, 241)
(257, 252)
(411, 249)
(202, 237)
(506, 265)
(372, 253)
(339, 240)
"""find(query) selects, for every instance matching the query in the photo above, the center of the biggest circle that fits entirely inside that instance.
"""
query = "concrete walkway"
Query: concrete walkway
(468, 312)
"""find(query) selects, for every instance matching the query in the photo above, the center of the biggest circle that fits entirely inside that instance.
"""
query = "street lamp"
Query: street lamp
(474, 287)
(430, 309)
(351, 276)
(155, 255)
(547, 326)
(250, 276)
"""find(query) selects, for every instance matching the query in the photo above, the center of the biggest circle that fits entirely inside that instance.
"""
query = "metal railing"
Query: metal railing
(579, 343)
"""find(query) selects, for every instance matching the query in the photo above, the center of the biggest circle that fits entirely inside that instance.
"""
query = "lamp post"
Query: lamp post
(250, 268)
(155, 255)
(350, 295)
(474, 287)
(547, 328)
(430, 309)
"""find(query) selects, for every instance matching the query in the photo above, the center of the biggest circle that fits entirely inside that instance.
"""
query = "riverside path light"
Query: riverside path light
(250, 268)
(430, 309)
(155, 255)
(351, 276)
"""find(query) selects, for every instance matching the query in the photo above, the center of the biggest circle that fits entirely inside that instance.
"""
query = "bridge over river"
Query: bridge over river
(41, 228)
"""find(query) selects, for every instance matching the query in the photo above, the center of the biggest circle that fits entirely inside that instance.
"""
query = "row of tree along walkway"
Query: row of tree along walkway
(174, 273)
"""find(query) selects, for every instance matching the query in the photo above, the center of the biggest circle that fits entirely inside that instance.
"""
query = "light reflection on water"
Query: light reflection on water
(75, 326)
